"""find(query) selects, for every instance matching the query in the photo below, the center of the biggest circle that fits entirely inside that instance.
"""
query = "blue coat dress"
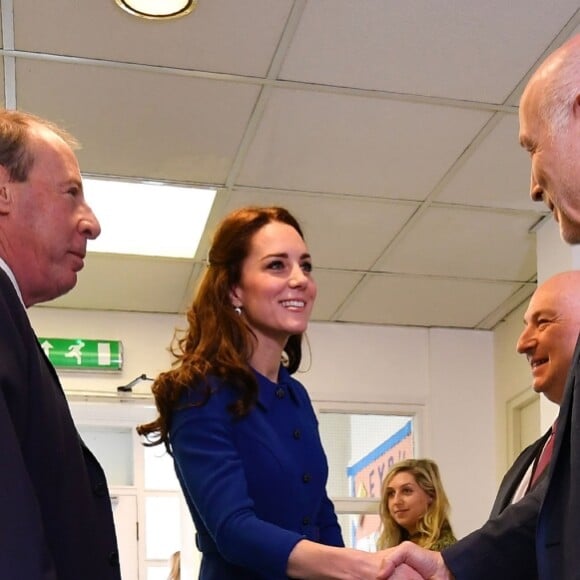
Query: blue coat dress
(255, 485)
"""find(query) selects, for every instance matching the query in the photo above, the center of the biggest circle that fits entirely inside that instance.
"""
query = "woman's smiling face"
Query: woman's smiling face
(276, 290)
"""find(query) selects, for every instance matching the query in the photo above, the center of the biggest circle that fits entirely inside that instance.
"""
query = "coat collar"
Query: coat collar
(269, 392)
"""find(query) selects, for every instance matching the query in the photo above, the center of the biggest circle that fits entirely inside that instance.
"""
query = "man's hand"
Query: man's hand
(404, 572)
(409, 562)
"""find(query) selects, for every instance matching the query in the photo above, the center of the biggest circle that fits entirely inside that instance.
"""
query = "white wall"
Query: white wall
(461, 421)
(553, 255)
(512, 377)
(366, 363)
(447, 373)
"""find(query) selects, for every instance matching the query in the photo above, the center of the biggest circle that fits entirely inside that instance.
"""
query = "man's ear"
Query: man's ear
(576, 107)
(6, 200)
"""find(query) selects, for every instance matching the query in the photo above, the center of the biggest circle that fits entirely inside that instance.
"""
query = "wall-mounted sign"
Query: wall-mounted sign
(83, 354)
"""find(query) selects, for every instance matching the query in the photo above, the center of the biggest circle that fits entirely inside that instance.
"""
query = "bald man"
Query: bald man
(551, 328)
(538, 536)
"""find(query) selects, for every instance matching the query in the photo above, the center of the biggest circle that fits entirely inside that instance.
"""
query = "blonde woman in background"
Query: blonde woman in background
(414, 507)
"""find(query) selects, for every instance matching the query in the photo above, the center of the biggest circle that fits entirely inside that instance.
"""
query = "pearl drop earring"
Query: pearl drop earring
(238, 310)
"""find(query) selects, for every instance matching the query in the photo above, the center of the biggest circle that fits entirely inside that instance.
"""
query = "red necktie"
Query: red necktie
(545, 457)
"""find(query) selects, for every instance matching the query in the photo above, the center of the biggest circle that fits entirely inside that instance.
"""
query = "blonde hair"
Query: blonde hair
(433, 523)
(175, 563)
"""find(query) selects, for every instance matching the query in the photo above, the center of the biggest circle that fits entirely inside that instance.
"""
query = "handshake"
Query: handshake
(408, 561)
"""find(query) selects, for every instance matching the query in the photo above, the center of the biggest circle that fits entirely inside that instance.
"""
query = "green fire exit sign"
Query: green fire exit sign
(83, 353)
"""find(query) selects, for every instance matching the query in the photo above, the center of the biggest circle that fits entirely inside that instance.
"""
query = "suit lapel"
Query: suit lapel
(565, 407)
(515, 474)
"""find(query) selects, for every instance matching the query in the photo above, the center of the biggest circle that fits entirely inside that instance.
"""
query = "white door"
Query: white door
(529, 423)
(125, 515)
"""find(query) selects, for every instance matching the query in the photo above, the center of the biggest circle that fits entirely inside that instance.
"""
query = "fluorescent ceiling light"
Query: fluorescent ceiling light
(148, 219)
(158, 8)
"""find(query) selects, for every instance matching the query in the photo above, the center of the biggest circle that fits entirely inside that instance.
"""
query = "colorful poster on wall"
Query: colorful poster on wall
(366, 478)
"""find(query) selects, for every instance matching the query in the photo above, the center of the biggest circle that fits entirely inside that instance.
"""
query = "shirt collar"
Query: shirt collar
(4, 266)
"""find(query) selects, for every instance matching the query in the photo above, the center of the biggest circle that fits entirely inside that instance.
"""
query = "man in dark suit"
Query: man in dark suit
(552, 325)
(536, 537)
(56, 521)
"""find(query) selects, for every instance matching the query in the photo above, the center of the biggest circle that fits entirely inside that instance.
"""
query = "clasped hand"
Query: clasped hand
(410, 562)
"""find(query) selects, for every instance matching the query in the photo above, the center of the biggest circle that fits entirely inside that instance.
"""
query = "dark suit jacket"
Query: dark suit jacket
(504, 547)
(511, 480)
(558, 535)
(538, 536)
(56, 521)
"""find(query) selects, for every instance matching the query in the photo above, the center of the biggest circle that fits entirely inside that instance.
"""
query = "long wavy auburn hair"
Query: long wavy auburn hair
(433, 523)
(218, 341)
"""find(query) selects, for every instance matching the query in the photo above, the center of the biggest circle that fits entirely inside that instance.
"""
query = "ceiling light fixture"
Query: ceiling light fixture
(147, 218)
(158, 9)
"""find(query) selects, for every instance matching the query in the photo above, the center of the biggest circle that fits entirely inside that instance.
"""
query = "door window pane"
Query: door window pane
(360, 531)
(113, 448)
(159, 472)
(157, 572)
(162, 526)
(361, 448)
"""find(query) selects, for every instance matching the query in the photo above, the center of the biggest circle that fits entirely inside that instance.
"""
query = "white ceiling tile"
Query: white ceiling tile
(496, 174)
(131, 283)
(333, 288)
(423, 301)
(519, 297)
(191, 286)
(357, 145)
(394, 101)
(225, 36)
(467, 243)
(141, 124)
(464, 50)
(341, 232)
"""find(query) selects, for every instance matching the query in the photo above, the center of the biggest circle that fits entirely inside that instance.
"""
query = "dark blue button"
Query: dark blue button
(280, 393)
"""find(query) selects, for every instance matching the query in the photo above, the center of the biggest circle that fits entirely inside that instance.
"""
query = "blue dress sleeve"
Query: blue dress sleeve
(330, 533)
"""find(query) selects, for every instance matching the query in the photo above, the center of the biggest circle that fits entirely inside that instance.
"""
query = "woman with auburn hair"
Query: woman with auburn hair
(414, 506)
(241, 430)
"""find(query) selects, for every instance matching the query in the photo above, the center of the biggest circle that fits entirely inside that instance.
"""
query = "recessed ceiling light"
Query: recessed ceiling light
(157, 9)
(147, 219)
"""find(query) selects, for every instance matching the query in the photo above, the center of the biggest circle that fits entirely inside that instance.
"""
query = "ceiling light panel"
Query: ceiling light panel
(146, 218)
